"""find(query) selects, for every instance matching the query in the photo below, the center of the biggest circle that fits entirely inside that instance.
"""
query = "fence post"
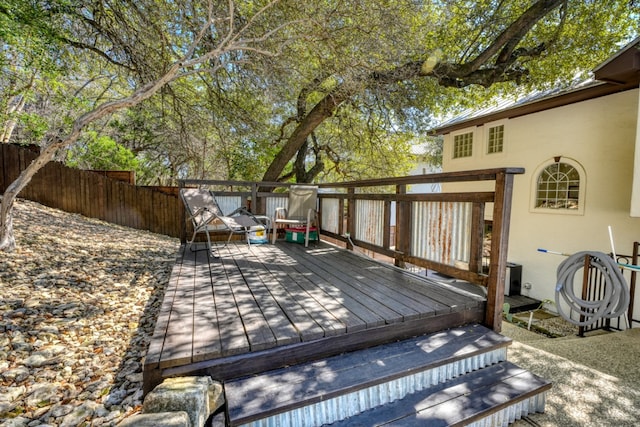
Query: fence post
(403, 226)
(632, 283)
(256, 205)
(183, 218)
(351, 215)
(477, 237)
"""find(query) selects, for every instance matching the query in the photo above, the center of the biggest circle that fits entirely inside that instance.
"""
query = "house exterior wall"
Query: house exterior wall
(599, 137)
(635, 196)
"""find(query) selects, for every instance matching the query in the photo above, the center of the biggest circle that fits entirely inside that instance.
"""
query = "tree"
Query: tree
(101, 153)
(200, 40)
(464, 46)
(289, 89)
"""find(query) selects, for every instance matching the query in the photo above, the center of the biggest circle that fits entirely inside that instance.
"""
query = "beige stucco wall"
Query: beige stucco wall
(599, 135)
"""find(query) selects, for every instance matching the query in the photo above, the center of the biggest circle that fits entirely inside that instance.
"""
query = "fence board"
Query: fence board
(100, 197)
(4, 154)
(67, 191)
(12, 166)
(130, 211)
(83, 199)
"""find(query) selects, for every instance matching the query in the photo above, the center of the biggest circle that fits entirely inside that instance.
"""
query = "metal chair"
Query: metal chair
(300, 212)
(206, 216)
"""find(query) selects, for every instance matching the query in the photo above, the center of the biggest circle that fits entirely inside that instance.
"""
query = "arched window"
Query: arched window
(558, 186)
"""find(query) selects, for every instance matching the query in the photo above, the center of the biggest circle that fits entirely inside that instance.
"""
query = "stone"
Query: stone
(58, 411)
(115, 397)
(216, 396)
(16, 422)
(39, 360)
(189, 394)
(43, 394)
(165, 419)
(78, 415)
(9, 394)
(17, 374)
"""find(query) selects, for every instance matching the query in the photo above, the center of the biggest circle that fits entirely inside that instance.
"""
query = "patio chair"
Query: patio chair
(206, 216)
(301, 211)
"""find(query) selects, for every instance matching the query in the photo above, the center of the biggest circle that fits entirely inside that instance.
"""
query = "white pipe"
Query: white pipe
(613, 248)
(620, 264)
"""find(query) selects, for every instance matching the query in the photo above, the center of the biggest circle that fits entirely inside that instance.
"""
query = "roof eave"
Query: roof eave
(619, 73)
(548, 103)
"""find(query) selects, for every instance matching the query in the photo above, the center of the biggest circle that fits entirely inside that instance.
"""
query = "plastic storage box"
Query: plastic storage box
(296, 235)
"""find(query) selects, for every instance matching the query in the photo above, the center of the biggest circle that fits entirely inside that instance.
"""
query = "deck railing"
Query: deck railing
(443, 232)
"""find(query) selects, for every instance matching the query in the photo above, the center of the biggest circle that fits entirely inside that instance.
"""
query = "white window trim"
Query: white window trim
(487, 127)
(581, 191)
(474, 143)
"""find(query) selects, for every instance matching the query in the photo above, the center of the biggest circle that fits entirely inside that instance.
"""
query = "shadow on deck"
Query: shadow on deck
(263, 307)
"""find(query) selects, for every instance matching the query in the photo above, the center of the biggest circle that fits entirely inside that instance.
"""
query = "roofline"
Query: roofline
(618, 54)
(548, 103)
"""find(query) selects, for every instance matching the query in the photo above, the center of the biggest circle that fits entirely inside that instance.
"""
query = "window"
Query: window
(463, 145)
(495, 144)
(558, 187)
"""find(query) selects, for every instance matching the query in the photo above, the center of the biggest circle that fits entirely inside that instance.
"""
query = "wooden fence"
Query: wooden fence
(93, 194)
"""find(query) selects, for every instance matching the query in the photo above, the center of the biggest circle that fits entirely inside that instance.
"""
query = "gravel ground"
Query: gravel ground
(78, 302)
(595, 379)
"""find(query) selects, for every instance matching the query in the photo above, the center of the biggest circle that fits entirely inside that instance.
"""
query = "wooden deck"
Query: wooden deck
(266, 306)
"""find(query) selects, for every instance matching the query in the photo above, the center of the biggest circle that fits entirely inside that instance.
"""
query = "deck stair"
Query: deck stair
(455, 377)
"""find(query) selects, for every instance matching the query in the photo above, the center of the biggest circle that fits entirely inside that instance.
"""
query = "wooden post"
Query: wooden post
(386, 234)
(341, 217)
(585, 289)
(256, 205)
(183, 217)
(351, 215)
(477, 237)
(499, 248)
(632, 284)
(403, 226)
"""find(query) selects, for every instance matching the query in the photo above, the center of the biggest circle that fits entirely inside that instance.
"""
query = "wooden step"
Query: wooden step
(339, 387)
(494, 396)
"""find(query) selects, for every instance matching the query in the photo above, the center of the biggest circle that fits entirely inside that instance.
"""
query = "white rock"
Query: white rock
(58, 411)
(78, 415)
(42, 394)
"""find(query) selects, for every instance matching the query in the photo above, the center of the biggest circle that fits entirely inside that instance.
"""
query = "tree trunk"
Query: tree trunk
(10, 124)
(7, 237)
(323, 110)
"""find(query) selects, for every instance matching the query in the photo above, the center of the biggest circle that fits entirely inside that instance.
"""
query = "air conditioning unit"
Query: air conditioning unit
(513, 279)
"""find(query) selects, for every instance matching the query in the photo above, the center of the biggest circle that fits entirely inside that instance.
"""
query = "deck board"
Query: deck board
(154, 352)
(385, 296)
(205, 319)
(331, 313)
(256, 327)
(262, 305)
(178, 347)
(232, 335)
